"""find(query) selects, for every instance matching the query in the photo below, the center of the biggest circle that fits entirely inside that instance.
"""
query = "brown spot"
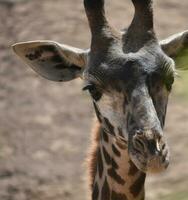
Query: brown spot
(109, 126)
(100, 164)
(116, 151)
(113, 174)
(121, 145)
(95, 193)
(106, 156)
(138, 185)
(105, 194)
(133, 169)
(114, 164)
(109, 160)
(118, 196)
(105, 136)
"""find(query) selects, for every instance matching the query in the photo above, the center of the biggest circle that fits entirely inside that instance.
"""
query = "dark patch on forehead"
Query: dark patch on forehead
(129, 74)
(98, 114)
(105, 194)
(95, 193)
(100, 164)
(105, 136)
(116, 151)
(113, 174)
(138, 185)
(118, 196)
(132, 169)
(109, 126)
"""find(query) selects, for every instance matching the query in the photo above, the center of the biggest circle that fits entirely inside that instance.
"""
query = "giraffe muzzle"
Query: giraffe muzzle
(149, 151)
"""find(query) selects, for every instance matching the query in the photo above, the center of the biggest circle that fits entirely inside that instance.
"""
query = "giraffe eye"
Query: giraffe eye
(94, 92)
(169, 82)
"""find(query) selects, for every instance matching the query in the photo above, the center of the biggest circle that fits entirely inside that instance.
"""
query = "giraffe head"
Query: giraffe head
(129, 76)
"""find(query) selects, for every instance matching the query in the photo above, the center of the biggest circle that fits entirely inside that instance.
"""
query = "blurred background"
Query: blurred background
(45, 126)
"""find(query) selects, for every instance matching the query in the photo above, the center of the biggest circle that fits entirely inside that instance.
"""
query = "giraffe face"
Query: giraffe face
(130, 98)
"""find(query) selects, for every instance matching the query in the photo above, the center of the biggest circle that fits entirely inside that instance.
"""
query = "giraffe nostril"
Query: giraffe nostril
(163, 147)
(163, 158)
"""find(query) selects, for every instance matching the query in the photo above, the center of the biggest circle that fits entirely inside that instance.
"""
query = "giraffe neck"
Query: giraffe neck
(113, 175)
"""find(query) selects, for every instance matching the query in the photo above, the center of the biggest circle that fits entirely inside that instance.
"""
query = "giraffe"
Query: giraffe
(129, 76)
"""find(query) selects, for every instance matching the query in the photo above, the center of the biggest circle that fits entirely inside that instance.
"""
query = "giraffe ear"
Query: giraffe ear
(52, 60)
(176, 47)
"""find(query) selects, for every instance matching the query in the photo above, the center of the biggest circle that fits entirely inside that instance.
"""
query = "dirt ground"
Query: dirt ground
(45, 126)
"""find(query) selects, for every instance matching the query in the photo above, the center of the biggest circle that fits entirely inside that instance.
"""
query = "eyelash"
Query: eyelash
(169, 80)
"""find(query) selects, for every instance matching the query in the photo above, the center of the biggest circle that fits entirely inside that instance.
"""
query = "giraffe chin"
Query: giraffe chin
(154, 165)
(157, 165)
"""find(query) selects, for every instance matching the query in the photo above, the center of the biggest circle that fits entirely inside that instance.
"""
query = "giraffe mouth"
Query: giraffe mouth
(149, 155)
(149, 165)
